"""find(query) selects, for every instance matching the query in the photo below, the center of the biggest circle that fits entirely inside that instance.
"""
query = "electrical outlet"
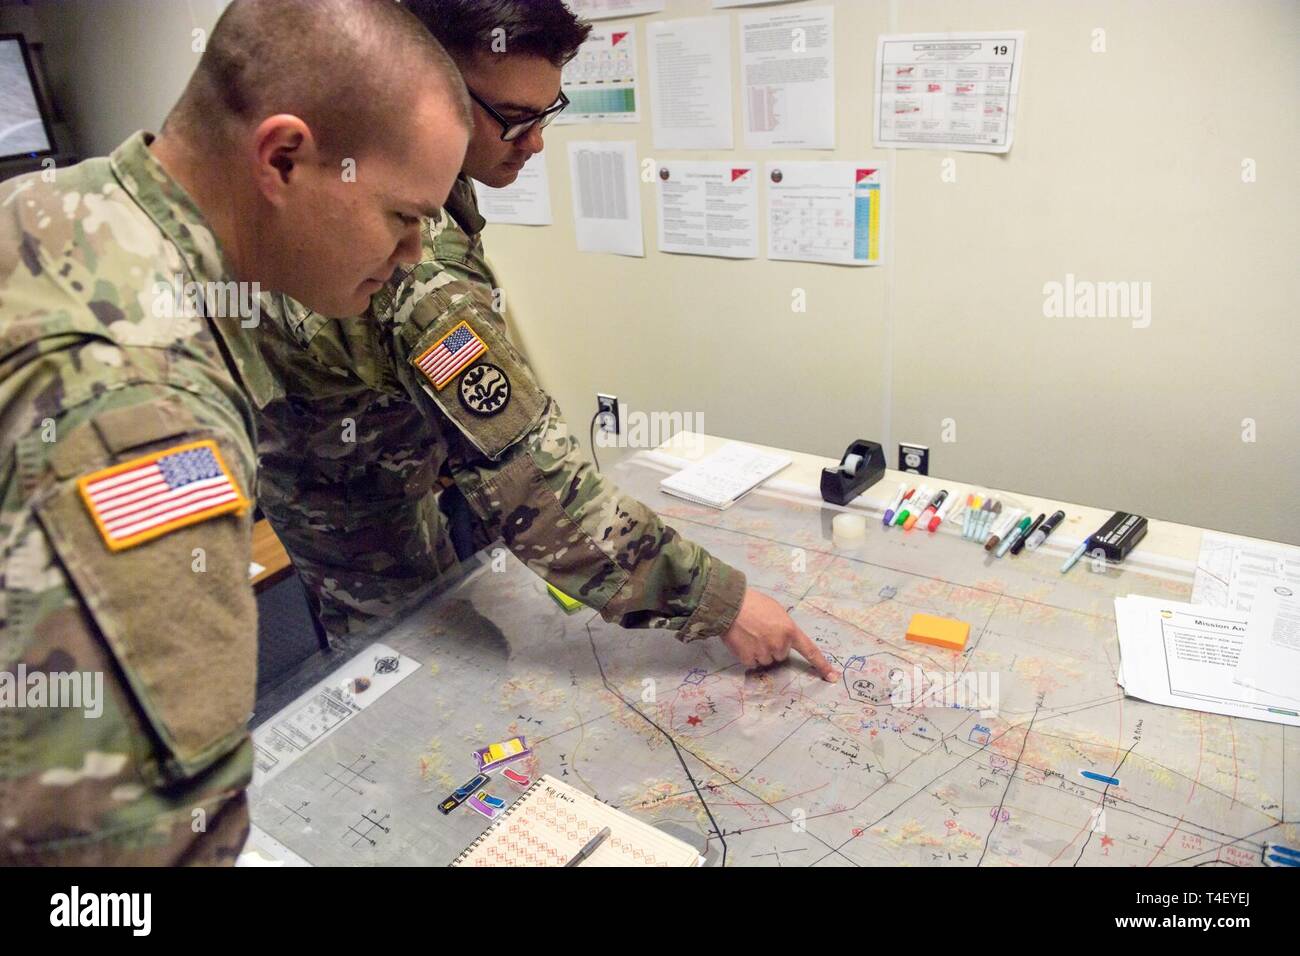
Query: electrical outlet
(607, 409)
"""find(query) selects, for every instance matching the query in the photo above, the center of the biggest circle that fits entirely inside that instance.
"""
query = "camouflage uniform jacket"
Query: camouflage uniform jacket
(427, 385)
(102, 363)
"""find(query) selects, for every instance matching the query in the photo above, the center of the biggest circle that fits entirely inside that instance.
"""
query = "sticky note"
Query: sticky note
(940, 631)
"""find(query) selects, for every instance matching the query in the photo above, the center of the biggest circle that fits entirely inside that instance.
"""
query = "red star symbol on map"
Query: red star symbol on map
(1107, 841)
(693, 720)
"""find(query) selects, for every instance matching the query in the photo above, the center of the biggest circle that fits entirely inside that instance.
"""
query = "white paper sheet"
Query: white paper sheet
(708, 208)
(826, 212)
(316, 714)
(525, 202)
(1229, 569)
(690, 83)
(1185, 655)
(601, 81)
(606, 197)
(1270, 659)
(948, 90)
(605, 9)
(787, 64)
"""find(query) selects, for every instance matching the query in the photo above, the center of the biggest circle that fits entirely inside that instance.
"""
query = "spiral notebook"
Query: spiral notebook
(552, 821)
(724, 477)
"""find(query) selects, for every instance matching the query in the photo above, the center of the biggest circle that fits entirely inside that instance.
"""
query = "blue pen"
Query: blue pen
(1078, 553)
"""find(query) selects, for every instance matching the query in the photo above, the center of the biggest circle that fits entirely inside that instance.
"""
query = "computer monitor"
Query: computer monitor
(24, 127)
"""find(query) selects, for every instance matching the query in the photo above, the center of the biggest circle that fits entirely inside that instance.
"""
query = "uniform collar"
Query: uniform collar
(174, 211)
(462, 205)
(170, 207)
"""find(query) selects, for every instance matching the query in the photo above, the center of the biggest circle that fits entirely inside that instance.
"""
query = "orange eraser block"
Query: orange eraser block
(939, 631)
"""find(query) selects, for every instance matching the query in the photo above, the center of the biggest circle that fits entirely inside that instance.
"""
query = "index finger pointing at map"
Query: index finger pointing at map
(805, 646)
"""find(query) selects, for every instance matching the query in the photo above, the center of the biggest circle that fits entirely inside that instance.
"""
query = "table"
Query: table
(775, 767)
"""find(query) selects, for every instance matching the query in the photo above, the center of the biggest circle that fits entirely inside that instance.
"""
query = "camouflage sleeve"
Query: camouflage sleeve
(523, 476)
(127, 676)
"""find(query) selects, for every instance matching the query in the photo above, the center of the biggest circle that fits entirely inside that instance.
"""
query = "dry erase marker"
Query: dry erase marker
(1016, 534)
(894, 503)
(992, 507)
(1078, 553)
(1020, 541)
(1039, 536)
(991, 521)
(933, 507)
(922, 502)
(913, 503)
(921, 507)
(910, 496)
(978, 516)
(942, 513)
(1001, 528)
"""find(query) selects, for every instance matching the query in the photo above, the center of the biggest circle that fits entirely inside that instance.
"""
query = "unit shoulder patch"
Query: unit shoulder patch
(485, 389)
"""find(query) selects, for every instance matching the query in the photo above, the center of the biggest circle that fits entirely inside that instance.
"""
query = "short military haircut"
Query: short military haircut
(348, 68)
(468, 28)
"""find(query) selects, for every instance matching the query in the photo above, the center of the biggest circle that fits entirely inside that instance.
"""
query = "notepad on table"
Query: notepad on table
(727, 475)
(552, 821)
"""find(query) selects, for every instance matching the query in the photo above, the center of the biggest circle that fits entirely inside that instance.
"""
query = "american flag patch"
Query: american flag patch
(150, 496)
(444, 358)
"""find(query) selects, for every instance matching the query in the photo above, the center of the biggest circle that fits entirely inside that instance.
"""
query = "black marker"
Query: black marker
(1048, 527)
(1020, 542)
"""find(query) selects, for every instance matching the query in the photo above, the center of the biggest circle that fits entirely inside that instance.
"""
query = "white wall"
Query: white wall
(115, 66)
(1126, 166)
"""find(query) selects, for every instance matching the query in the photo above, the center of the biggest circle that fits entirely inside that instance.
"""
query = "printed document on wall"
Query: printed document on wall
(826, 212)
(601, 80)
(606, 197)
(525, 202)
(948, 90)
(608, 9)
(708, 209)
(787, 63)
(690, 83)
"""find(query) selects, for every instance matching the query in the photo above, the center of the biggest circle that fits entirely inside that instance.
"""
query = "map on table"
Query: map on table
(1020, 750)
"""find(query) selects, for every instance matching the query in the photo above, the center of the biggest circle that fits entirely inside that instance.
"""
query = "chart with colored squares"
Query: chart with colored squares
(1019, 749)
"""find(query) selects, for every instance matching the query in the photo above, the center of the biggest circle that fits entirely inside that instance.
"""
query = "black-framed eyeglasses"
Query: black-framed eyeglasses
(512, 129)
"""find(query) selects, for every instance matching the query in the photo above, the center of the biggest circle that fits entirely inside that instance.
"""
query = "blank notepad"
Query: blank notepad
(552, 821)
(725, 476)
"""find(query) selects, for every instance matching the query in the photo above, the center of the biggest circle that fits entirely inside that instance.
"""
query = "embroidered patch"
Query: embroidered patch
(484, 389)
(147, 497)
(440, 362)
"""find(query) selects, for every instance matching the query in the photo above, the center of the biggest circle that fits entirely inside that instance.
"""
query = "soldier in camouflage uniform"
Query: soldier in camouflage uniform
(427, 390)
(127, 456)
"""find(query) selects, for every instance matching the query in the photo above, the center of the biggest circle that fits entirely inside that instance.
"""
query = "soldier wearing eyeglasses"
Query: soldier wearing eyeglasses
(415, 435)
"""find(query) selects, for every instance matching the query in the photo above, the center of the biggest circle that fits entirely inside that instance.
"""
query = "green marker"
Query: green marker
(1014, 536)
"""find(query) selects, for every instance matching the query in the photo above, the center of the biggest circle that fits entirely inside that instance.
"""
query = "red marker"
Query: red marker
(943, 512)
(932, 508)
